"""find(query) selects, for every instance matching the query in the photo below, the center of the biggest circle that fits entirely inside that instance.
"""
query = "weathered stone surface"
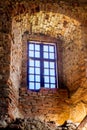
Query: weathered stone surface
(62, 20)
(83, 124)
(37, 124)
(49, 104)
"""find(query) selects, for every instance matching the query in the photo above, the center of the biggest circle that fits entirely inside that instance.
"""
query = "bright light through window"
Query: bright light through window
(41, 65)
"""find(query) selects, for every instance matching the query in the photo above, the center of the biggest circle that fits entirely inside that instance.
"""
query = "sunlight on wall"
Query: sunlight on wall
(61, 26)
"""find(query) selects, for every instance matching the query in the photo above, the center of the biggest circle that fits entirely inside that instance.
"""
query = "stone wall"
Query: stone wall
(15, 69)
(47, 104)
(66, 22)
(8, 72)
(5, 47)
(59, 21)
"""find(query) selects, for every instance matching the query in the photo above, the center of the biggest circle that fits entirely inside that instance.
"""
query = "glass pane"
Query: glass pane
(52, 72)
(46, 85)
(45, 48)
(37, 63)
(45, 55)
(31, 46)
(51, 64)
(46, 64)
(31, 62)
(52, 85)
(51, 48)
(52, 79)
(37, 47)
(31, 77)
(37, 54)
(51, 55)
(31, 70)
(31, 53)
(46, 79)
(37, 86)
(31, 85)
(37, 78)
(46, 71)
(37, 70)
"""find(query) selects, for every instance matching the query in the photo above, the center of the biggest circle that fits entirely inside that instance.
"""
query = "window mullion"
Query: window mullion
(28, 66)
(41, 66)
(49, 65)
(55, 68)
(33, 58)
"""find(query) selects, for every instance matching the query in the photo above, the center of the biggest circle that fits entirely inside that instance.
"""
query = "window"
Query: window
(41, 65)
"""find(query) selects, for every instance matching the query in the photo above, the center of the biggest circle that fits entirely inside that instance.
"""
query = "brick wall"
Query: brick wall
(9, 79)
(66, 22)
(61, 23)
(5, 46)
(47, 104)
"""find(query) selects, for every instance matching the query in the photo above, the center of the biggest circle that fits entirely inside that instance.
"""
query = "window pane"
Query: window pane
(31, 77)
(51, 55)
(37, 54)
(37, 63)
(37, 77)
(46, 85)
(51, 48)
(45, 48)
(52, 85)
(41, 63)
(37, 70)
(52, 72)
(46, 64)
(46, 79)
(46, 71)
(31, 46)
(37, 47)
(31, 53)
(31, 85)
(51, 64)
(52, 79)
(31, 70)
(31, 62)
(45, 55)
(37, 86)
